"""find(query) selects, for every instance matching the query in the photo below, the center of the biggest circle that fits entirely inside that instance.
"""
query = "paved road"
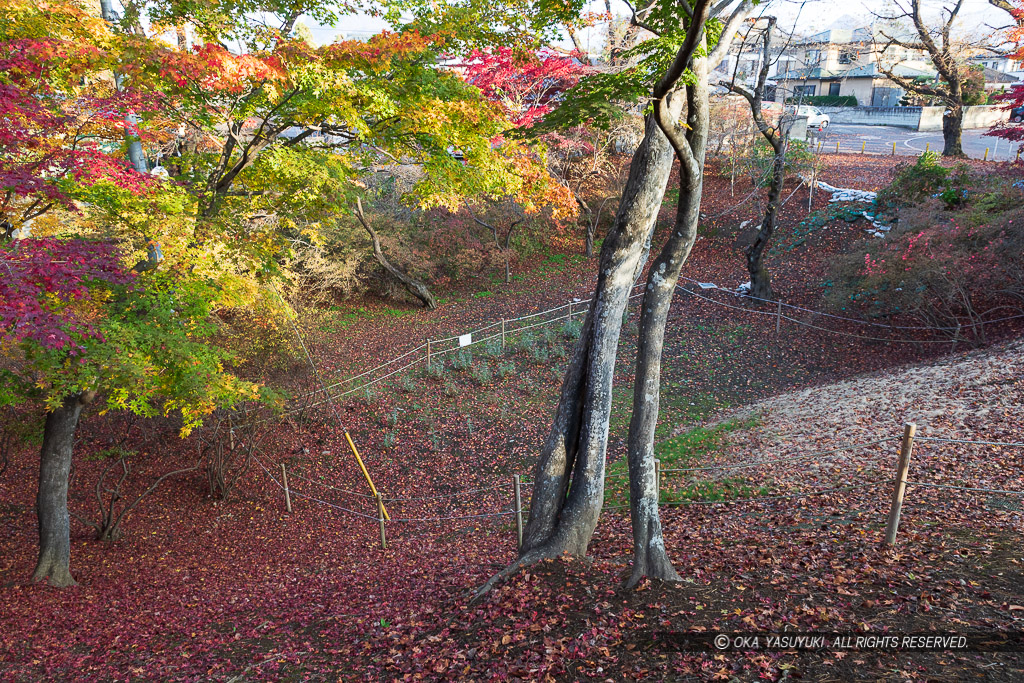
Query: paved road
(879, 139)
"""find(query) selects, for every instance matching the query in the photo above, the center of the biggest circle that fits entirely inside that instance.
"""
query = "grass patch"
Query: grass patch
(685, 450)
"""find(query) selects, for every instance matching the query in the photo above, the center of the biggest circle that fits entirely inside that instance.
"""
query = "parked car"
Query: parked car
(815, 117)
(1017, 114)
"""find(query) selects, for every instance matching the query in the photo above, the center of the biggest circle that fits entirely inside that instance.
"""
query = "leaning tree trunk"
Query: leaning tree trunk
(568, 489)
(414, 286)
(952, 132)
(760, 282)
(649, 555)
(52, 499)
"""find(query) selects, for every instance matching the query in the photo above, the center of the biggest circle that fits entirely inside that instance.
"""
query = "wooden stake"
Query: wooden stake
(502, 335)
(287, 495)
(380, 517)
(900, 485)
(778, 319)
(428, 354)
(519, 512)
(657, 479)
(570, 311)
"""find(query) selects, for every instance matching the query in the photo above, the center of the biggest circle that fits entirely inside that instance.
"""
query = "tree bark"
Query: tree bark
(760, 281)
(52, 499)
(952, 132)
(649, 555)
(568, 489)
(414, 286)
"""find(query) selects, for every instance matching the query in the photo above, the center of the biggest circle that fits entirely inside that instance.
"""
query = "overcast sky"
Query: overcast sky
(809, 16)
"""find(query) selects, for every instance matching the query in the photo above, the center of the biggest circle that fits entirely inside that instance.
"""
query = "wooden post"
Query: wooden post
(778, 319)
(986, 155)
(570, 311)
(380, 517)
(428, 354)
(657, 479)
(287, 495)
(519, 512)
(894, 149)
(900, 485)
(503, 334)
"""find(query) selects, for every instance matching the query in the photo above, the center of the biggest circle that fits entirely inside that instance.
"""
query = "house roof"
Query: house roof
(865, 71)
(996, 76)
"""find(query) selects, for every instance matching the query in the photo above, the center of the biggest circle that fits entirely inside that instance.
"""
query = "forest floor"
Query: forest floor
(241, 590)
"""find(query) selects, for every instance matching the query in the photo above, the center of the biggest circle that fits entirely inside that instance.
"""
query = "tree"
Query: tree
(946, 54)
(1013, 99)
(778, 139)
(569, 476)
(77, 325)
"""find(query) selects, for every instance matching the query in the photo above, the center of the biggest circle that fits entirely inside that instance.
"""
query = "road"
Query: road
(879, 139)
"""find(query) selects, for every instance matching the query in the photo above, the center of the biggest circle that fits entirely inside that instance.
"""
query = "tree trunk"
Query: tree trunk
(952, 132)
(568, 489)
(52, 499)
(649, 555)
(760, 282)
(414, 286)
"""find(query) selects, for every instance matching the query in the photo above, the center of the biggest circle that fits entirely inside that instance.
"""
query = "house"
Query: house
(846, 62)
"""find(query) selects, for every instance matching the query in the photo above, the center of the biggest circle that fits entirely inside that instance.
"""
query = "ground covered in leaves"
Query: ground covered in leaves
(242, 590)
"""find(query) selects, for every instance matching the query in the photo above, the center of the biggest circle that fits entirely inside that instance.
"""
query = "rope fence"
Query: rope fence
(899, 486)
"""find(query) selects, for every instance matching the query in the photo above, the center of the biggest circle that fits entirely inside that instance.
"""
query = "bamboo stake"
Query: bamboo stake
(519, 512)
(900, 485)
(657, 480)
(373, 489)
(380, 516)
(287, 494)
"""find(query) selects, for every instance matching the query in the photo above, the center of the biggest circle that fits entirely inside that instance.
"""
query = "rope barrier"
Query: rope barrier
(303, 495)
(294, 475)
(777, 460)
(450, 495)
(857, 320)
(816, 327)
(977, 443)
(965, 488)
(755, 498)
(441, 519)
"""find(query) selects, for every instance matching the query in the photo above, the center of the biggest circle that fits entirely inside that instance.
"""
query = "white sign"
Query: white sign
(707, 285)
(466, 339)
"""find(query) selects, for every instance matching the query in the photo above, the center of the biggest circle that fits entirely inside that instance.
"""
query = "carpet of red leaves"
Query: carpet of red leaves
(201, 590)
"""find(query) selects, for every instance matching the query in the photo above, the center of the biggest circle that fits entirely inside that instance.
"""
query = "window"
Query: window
(848, 57)
(805, 90)
(833, 89)
(812, 56)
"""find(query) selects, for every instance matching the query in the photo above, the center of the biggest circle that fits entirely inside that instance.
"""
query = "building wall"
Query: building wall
(860, 88)
(974, 117)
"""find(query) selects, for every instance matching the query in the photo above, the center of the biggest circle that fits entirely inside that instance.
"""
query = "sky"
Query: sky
(810, 16)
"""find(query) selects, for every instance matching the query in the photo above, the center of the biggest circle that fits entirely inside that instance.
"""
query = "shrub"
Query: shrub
(824, 100)
(947, 266)
(925, 178)
(481, 373)
(493, 347)
(436, 369)
(526, 341)
(505, 369)
(572, 329)
(463, 359)
(540, 354)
